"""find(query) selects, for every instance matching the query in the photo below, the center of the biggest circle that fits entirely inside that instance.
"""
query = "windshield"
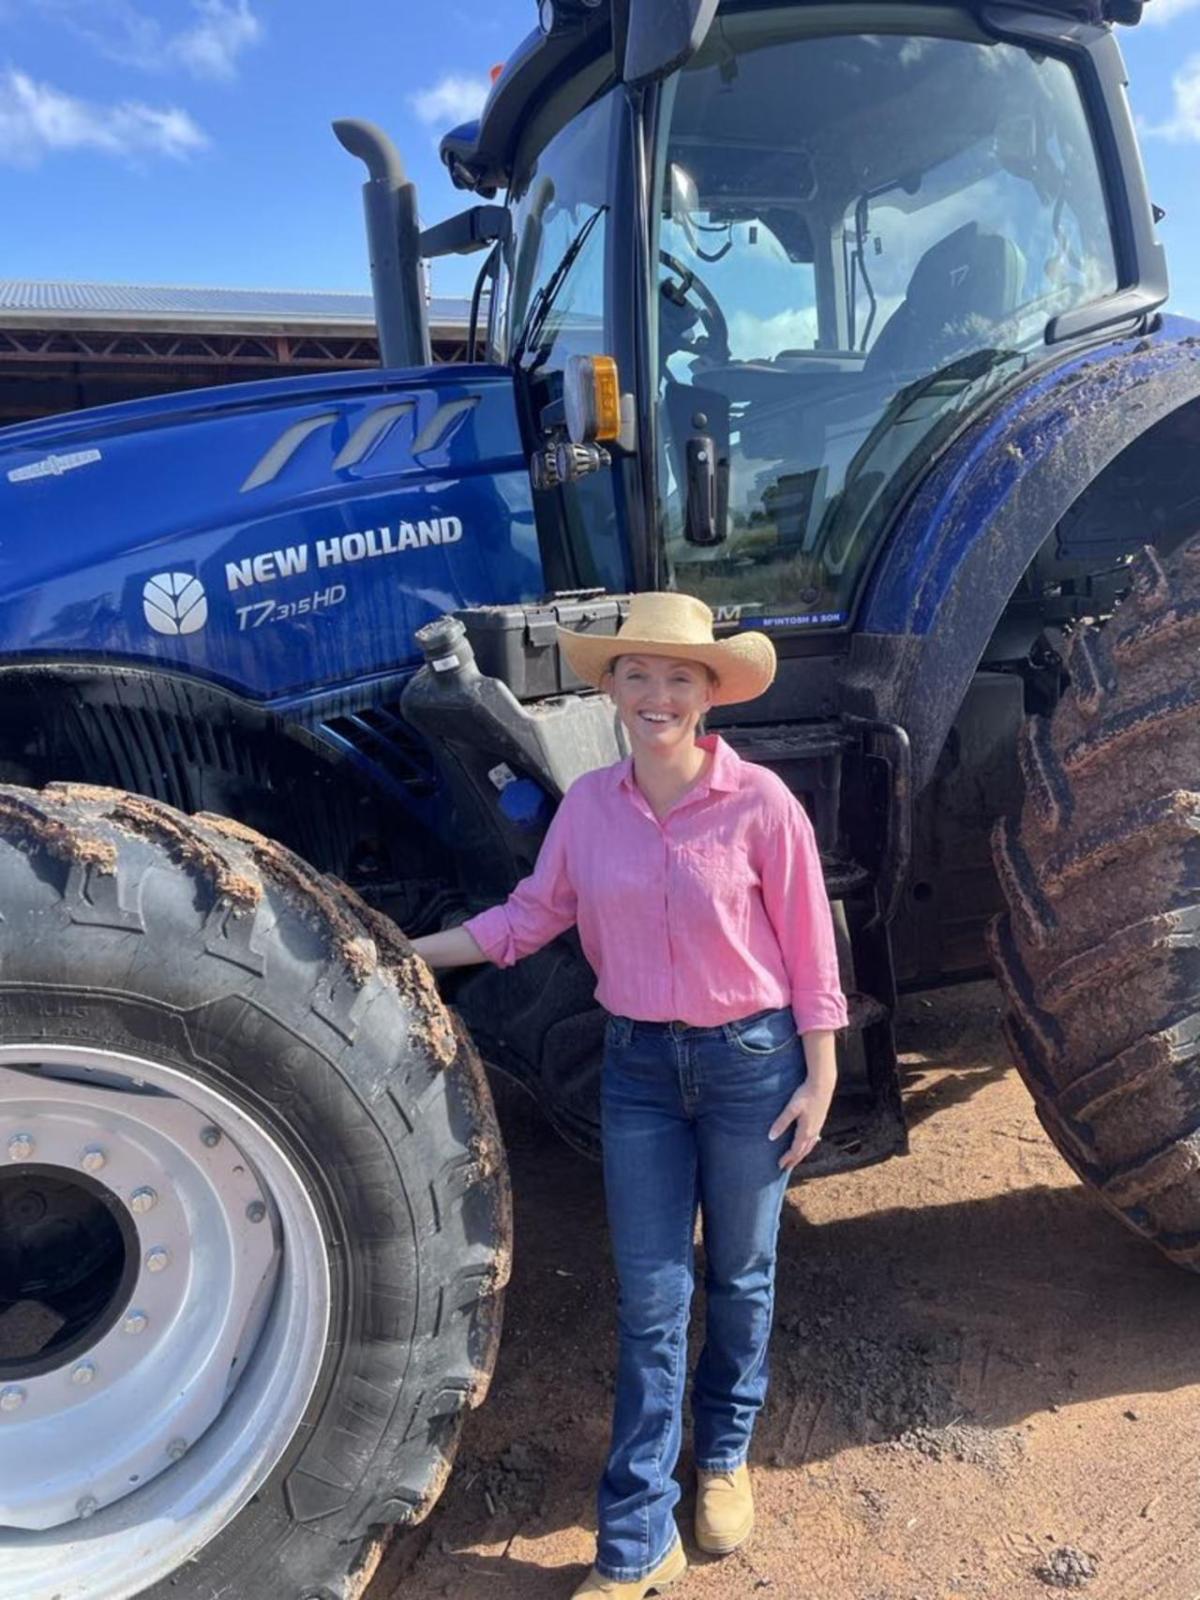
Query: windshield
(560, 290)
(559, 210)
(859, 235)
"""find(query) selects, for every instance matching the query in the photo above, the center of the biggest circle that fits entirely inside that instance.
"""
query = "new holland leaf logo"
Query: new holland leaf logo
(174, 602)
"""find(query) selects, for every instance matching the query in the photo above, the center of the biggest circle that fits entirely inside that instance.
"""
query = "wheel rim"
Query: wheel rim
(173, 1308)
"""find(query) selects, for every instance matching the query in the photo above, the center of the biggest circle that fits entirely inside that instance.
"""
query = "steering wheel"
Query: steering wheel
(712, 318)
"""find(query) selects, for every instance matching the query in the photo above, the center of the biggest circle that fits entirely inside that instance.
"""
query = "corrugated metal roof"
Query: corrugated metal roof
(25, 297)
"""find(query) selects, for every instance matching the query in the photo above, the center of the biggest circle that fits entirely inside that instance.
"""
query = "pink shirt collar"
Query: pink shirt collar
(724, 773)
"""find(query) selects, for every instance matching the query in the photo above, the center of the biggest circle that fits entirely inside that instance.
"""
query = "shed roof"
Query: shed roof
(131, 304)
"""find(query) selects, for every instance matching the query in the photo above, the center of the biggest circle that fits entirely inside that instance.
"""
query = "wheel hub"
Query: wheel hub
(213, 1357)
(68, 1253)
(145, 1376)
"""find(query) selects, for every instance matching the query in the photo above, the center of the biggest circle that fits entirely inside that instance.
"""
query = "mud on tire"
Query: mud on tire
(193, 943)
(1099, 952)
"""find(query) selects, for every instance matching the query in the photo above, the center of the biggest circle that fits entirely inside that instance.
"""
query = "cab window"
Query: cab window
(559, 289)
(860, 235)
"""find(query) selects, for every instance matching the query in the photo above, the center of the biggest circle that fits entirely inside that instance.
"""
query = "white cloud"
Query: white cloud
(755, 338)
(208, 47)
(1184, 125)
(1160, 12)
(37, 120)
(453, 100)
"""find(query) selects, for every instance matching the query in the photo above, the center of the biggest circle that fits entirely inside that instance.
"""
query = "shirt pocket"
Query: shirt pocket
(717, 864)
(721, 884)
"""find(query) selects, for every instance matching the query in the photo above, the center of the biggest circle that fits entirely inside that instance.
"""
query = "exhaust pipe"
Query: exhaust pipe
(393, 240)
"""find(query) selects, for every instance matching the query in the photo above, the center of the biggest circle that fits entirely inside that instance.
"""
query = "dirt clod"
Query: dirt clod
(995, 1450)
(1066, 1568)
(23, 816)
(187, 845)
(513, 1484)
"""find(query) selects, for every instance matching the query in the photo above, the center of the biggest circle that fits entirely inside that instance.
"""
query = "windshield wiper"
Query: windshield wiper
(543, 301)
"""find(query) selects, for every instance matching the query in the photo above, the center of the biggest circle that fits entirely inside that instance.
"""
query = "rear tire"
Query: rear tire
(202, 977)
(1099, 952)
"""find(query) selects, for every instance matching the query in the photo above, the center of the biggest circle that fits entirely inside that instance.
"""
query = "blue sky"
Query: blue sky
(187, 141)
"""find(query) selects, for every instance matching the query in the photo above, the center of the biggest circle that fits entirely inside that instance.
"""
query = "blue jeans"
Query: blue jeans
(685, 1114)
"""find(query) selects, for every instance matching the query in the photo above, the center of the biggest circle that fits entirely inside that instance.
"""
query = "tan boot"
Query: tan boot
(668, 1571)
(724, 1510)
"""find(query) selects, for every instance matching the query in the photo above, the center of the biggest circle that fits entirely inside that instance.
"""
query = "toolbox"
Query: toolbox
(518, 643)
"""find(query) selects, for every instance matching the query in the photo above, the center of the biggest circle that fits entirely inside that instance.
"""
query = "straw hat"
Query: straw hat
(680, 627)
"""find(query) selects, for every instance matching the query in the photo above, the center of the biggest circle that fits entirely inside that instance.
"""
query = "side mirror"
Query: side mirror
(662, 34)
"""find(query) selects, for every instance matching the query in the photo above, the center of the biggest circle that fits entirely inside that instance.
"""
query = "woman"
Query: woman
(694, 880)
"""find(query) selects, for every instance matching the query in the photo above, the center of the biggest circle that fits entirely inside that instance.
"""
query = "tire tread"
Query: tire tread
(426, 1098)
(1098, 956)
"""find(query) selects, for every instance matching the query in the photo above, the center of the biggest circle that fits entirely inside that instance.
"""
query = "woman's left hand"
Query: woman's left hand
(807, 1108)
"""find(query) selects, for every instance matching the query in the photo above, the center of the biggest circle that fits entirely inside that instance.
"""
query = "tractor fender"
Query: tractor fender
(325, 773)
(962, 543)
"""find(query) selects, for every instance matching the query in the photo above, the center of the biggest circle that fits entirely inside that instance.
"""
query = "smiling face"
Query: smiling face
(659, 700)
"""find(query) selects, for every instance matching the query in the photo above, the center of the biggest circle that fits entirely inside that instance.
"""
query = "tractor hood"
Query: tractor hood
(276, 537)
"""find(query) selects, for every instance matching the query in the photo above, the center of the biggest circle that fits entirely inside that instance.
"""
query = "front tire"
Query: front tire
(255, 1211)
(1099, 952)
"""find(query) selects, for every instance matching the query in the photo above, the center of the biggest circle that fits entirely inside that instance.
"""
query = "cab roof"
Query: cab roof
(480, 154)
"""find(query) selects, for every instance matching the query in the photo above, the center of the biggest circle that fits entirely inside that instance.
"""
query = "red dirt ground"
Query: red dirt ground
(983, 1386)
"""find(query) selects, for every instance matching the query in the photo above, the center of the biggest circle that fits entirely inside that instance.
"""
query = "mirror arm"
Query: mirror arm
(469, 231)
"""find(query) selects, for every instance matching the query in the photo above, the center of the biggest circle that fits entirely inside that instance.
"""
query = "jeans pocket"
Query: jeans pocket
(763, 1035)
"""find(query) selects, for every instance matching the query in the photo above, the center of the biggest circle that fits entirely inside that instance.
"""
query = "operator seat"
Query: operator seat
(962, 287)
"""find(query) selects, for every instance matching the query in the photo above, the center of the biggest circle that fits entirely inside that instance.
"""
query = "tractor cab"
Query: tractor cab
(759, 267)
(814, 246)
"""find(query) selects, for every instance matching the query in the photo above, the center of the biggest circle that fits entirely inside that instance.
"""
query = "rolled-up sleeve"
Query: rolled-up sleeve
(793, 890)
(542, 906)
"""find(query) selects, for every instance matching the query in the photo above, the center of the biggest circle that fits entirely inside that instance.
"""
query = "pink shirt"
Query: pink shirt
(715, 912)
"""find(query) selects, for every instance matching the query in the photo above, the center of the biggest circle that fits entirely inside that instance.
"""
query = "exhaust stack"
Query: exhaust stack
(393, 240)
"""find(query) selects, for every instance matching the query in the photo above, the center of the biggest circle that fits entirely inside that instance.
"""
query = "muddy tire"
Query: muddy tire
(1099, 952)
(254, 1214)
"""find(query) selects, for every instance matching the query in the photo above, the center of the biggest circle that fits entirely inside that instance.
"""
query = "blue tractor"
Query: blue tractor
(846, 319)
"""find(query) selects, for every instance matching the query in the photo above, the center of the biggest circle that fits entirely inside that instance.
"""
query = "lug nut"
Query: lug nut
(177, 1449)
(12, 1398)
(93, 1159)
(210, 1136)
(135, 1322)
(86, 1507)
(157, 1258)
(83, 1372)
(20, 1147)
(143, 1200)
(256, 1211)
